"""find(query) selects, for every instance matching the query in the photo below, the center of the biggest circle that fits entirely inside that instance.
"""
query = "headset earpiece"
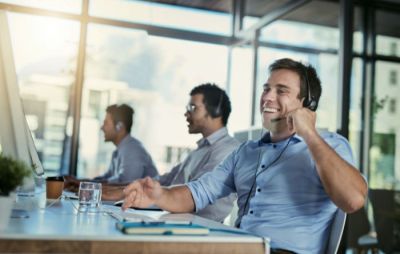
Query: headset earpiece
(217, 111)
(309, 101)
(118, 126)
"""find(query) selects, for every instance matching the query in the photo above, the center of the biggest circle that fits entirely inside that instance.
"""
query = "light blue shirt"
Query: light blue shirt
(130, 161)
(210, 151)
(288, 201)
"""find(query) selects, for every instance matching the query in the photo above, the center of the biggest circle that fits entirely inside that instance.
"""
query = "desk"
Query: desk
(61, 229)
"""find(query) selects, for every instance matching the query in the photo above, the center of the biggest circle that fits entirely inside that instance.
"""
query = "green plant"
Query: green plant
(12, 173)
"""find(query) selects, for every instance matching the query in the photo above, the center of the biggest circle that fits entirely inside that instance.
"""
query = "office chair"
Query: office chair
(336, 232)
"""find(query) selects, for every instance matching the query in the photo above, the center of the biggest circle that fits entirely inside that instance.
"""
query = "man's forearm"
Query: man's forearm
(177, 199)
(342, 182)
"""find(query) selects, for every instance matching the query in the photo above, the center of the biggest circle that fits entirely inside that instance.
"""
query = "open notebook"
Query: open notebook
(133, 215)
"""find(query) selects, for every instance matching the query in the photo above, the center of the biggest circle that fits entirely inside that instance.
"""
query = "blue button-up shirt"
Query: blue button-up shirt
(130, 161)
(288, 202)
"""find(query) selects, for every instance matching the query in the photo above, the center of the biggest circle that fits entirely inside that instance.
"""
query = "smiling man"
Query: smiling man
(290, 183)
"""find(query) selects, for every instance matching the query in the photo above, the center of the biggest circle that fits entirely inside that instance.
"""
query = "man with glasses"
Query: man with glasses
(207, 114)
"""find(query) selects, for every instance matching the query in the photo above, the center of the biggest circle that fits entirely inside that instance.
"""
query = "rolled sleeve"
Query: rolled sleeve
(213, 185)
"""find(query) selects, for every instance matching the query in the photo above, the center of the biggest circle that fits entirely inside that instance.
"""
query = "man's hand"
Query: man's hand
(142, 193)
(302, 121)
(71, 183)
(110, 192)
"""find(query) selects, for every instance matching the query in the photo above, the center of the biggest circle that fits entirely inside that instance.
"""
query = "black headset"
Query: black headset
(309, 101)
(216, 112)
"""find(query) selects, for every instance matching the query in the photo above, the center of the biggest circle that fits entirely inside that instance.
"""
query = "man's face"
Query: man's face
(108, 128)
(196, 114)
(280, 96)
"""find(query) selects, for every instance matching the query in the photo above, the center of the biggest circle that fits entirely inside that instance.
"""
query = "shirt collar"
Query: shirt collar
(124, 141)
(266, 139)
(222, 132)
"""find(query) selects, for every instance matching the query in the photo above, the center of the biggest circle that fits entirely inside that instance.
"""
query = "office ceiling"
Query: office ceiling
(318, 12)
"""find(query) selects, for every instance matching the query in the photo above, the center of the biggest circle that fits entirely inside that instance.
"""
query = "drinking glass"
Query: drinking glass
(89, 197)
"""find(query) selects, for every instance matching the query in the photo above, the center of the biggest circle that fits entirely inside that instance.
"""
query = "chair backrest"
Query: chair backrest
(336, 232)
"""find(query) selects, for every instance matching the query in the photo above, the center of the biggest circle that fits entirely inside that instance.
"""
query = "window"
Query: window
(383, 152)
(393, 48)
(392, 106)
(241, 88)
(393, 77)
(45, 57)
(152, 74)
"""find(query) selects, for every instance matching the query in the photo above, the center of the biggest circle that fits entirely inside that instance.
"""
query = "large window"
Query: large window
(152, 74)
(385, 150)
(45, 56)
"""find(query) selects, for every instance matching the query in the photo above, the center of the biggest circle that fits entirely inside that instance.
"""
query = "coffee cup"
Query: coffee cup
(54, 187)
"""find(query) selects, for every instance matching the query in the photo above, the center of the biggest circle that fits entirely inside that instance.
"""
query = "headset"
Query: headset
(118, 126)
(216, 112)
(309, 101)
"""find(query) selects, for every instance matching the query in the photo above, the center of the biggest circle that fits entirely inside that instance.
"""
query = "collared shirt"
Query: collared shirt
(130, 161)
(211, 151)
(288, 202)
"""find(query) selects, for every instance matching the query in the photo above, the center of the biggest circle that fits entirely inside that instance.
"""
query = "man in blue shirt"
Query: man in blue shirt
(290, 183)
(130, 160)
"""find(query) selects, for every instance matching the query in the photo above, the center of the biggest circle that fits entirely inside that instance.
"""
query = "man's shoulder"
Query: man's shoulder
(132, 145)
(228, 142)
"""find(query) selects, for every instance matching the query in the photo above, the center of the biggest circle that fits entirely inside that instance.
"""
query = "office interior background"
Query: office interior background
(75, 57)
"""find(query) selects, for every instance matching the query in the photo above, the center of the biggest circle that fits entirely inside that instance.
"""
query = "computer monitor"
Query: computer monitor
(15, 136)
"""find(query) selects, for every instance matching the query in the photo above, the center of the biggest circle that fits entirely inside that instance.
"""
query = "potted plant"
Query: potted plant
(12, 174)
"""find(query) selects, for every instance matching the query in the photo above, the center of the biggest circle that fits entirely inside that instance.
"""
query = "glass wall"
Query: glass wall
(45, 52)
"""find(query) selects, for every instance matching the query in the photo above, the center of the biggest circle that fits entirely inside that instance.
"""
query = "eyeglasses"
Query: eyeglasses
(191, 108)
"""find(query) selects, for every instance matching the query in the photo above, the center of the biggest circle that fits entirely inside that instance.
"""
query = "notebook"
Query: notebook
(133, 215)
(161, 228)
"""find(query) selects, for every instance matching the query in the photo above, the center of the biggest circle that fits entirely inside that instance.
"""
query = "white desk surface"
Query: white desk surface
(61, 221)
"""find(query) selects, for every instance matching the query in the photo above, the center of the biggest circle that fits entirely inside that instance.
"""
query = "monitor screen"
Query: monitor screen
(15, 136)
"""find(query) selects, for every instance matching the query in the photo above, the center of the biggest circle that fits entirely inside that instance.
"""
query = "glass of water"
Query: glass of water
(89, 197)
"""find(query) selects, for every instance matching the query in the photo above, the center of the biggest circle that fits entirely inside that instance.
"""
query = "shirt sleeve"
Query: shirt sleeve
(213, 185)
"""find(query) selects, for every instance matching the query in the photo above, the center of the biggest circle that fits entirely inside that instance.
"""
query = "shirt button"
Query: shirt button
(262, 166)
(251, 211)
(274, 146)
(259, 189)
